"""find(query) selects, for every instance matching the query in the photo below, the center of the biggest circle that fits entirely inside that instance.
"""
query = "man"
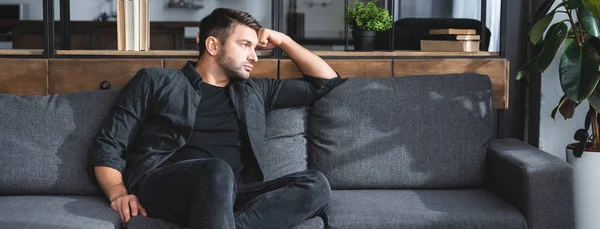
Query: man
(190, 137)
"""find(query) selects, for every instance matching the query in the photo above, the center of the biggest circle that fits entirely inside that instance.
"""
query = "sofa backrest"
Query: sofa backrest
(285, 148)
(44, 142)
(427, 131)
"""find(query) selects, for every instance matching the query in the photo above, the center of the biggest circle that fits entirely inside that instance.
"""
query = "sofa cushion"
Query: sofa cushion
(45, 140)
(285, 143)
(391, 209)
(403, 132)
(141, 222)
(57, 212)
(312, 223)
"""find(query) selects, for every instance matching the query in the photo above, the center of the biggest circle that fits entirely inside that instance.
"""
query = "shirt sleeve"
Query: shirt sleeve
(296, 92)
(121, 127)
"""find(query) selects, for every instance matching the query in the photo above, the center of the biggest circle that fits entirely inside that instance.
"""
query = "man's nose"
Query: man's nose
(253, 57)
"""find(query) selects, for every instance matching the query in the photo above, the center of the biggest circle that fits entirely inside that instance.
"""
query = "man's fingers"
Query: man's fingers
(113, 205)
(134, 207)
(119, 210)
(263, 37)
(142, 210)
(125, 211)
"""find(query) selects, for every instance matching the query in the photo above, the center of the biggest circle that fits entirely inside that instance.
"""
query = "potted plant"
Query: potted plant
(366, 19)
(579, 75)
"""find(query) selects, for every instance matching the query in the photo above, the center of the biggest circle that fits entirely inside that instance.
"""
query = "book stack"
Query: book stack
(451, 40)
(133, 25)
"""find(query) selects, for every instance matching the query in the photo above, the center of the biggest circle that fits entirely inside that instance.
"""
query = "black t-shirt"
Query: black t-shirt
(216, 131)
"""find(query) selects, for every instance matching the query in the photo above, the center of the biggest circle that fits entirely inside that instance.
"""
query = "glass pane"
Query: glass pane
(20, 24)
(93, 25)
(416, 18)
(315, 24)
(175, 22)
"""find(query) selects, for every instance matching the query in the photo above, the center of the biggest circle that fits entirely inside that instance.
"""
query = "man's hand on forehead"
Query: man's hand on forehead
(269, 39)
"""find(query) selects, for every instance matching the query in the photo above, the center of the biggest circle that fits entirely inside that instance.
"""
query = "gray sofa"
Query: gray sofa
(407, 152)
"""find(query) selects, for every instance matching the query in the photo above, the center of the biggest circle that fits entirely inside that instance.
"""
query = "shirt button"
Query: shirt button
(193, 111)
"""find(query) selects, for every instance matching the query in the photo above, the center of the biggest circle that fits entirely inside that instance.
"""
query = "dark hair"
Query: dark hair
(221, 22)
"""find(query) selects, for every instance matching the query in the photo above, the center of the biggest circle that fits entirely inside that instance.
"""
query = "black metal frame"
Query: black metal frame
(483, 32)
(48, 12)
(65, 24)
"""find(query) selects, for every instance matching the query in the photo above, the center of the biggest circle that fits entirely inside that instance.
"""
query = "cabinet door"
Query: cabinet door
(74, 75)
(23, 76)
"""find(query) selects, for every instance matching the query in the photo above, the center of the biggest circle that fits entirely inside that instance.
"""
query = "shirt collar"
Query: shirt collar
(189, 70)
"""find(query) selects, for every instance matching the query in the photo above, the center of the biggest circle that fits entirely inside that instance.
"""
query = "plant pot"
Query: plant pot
(586, 187)
(363, 40)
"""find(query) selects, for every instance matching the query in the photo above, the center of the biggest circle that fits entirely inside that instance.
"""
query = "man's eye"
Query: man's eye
(244, 45)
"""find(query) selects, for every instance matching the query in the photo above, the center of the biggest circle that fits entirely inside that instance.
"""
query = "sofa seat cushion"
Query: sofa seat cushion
(383, 209)
(141, 222)
(57, 212)
(312, 223)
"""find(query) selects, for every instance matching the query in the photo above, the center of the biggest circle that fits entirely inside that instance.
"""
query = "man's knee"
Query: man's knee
(214, 171)
(317, 187)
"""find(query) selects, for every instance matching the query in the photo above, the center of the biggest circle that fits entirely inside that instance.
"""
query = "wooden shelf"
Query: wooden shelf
(139, 53)
(402, 53)
(260, 53)
(25, 52)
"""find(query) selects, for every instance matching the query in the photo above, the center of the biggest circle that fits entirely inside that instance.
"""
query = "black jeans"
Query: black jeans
(202, 193)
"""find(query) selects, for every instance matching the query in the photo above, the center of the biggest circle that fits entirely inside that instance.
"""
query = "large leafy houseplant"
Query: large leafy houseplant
(579, 62)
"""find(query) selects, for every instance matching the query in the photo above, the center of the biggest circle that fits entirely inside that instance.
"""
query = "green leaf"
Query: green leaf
(573, 4)
(526, 68)
(593, 6)
(537, 31)
(589, 22)
(579, 69)
(554, 38)
(543, 10)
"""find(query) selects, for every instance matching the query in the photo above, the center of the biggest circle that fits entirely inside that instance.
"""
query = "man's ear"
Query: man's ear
(213, 45)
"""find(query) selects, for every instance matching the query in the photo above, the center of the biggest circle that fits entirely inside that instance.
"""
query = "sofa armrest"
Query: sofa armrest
(537, 183)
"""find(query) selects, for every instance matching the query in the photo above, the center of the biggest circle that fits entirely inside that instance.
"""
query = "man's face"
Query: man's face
(238, 54)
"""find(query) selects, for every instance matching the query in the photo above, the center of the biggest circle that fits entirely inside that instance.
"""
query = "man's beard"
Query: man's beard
(228, 67)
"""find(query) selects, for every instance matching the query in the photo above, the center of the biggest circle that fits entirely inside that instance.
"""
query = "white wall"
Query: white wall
(555, 135)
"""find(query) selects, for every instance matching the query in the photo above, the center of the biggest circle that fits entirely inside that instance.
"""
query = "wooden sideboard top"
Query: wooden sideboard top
(264, 53)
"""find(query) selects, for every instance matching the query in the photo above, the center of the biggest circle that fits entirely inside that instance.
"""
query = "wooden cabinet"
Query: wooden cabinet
(42, 76)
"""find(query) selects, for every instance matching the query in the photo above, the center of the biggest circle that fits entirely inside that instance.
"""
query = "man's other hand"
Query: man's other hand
(127, 206)
(269, 39)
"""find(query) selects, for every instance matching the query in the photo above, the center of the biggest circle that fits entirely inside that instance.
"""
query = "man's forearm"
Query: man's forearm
(111, 182)
(306, 61)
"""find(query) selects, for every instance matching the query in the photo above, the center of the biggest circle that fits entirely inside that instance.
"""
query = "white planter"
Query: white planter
(586, 188)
